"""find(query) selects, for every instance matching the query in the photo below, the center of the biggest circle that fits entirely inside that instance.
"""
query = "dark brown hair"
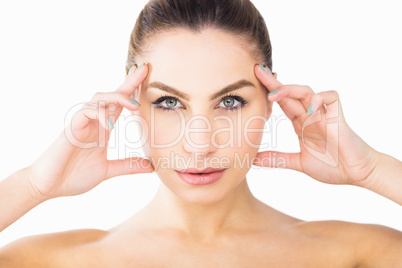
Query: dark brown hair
(238, 18)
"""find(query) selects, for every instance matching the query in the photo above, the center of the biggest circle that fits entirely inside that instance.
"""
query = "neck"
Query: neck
(233, 211)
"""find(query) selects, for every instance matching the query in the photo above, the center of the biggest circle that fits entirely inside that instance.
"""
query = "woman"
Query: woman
(201, 79)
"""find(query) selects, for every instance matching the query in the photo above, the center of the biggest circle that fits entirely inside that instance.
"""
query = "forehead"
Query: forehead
(191, 61)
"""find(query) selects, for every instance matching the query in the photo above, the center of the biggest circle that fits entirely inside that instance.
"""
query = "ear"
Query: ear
(276, 75)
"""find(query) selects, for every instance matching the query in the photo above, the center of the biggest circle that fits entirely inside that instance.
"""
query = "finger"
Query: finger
(298, 92)
(275, 159)
(90, 111)
(104, 107)
(293, 106)
(117, 98)
(266, 78)
(329, 100)
(130, 165)
(289, 114)
(133, 79)
(275, 87)
(102, 115)
(98, 114)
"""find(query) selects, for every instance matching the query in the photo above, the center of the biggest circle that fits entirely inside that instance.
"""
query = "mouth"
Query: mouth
(200, 177)
(200, 171)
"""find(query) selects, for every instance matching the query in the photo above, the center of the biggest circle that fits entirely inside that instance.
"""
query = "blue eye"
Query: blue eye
(231, 102)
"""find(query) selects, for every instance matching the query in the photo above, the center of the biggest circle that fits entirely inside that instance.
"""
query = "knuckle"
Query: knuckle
(321, 99)
(305, 95)
(97, 95)
(119, 95)
(307, 89)
(306, 92)
(316, 97)
(334, 92)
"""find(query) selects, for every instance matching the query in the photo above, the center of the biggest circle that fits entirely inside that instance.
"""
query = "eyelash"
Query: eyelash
(242, 101)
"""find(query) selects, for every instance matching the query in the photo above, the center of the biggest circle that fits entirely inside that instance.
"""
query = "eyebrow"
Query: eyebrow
(236, 85)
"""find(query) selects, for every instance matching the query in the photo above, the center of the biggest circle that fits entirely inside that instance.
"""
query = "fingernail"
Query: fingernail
(131, 69)
(310, 109)
(139, 67)
(273, 92)
(262, 68)
(110, 123)
(134, 101)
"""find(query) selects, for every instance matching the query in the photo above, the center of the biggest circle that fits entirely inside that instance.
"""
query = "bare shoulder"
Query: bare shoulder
(45, 250)
(372, 245)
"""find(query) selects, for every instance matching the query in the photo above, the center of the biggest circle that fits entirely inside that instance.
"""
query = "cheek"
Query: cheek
(165, 129)
(255, 121)
(253, 131)
(252, 127)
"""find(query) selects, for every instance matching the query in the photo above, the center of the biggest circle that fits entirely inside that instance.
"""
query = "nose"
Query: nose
(197, 138)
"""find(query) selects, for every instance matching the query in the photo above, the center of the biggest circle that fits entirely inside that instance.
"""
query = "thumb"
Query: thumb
(130, 165)
(275, 159)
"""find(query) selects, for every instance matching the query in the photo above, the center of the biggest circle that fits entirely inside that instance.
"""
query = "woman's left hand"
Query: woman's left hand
(330, 151)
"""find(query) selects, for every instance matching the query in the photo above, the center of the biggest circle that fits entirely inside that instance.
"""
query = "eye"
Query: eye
(169, 101)
(233, 102)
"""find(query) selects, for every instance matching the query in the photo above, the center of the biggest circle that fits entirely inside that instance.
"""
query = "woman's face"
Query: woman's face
(197, 127)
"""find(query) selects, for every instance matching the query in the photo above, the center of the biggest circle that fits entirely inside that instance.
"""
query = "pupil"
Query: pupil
(171, 103)
(229, 102)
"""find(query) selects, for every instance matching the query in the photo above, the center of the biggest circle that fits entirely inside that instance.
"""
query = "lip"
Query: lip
(205, 170)
(201, 179)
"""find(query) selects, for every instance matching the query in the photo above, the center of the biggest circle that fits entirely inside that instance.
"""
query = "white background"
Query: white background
(56, 54)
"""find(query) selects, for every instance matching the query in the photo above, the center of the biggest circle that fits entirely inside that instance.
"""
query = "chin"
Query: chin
(208, 194)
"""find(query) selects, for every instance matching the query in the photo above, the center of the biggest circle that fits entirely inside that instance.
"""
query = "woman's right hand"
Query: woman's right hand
(68, 168)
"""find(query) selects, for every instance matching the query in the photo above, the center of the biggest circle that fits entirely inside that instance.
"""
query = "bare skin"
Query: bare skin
(217, 225)
(267, 238)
